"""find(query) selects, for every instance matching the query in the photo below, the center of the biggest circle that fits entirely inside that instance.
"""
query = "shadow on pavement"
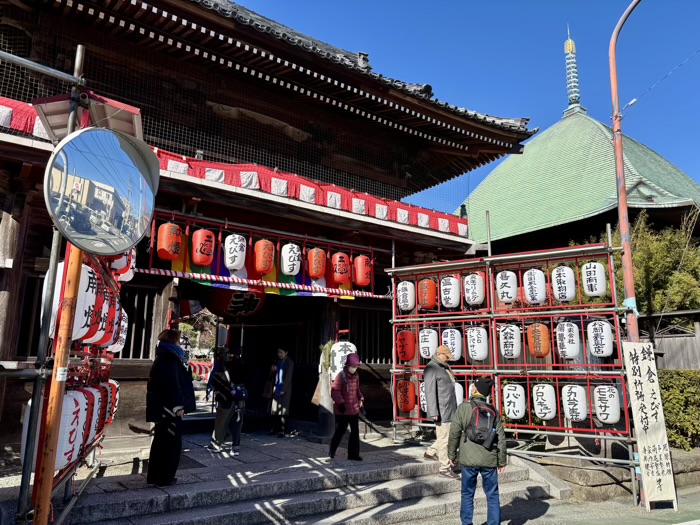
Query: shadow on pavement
(522, 510)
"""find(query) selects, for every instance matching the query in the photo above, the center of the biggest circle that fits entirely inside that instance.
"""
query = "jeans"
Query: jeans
(489, 477)
(228, 422)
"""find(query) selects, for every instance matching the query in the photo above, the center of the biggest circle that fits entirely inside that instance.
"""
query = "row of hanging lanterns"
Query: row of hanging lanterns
(606, 402)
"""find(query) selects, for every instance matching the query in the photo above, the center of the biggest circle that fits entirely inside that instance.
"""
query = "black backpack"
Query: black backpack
(481, 428)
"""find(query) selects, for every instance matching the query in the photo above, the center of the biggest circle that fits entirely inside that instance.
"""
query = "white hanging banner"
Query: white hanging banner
(649, 423)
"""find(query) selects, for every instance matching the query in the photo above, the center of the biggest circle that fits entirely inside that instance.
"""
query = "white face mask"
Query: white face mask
(352, 369)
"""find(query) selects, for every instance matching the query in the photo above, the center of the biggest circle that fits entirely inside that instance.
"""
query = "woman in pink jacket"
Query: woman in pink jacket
(347, 402)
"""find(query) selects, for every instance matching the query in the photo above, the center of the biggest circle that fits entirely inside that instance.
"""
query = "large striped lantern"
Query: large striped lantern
(459, 393)
(362, 274)
(235, 247)
(507, 287)
(514, 401)
(406, 296)
(477, 343)
(427, 294)
(97, 309)
(406, 345)
(563, 284)
(427, 342)
(568, 340)
(341, 268)
(474, 289)
(169, 241)
(593, 279)
(105, 408)
(450, 292)
(317, 263)
(113, 387)
(120, 339)
(203, 247)
(535, 286)
(102, 319)
(575, 402)
(84, 304)
(510, 341)
(452, 339)
(606, 399)
(264, 256)
(120, 264)
(544, 401)
(538, 340)
(90, 415)
(70, 436)
(290, 259)
(406, 395)
(128, 274)
(600, 338)
(112, 322)
(339, 355)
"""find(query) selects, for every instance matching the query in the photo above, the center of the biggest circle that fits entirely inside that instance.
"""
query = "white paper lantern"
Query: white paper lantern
(563, 284)
(474, 289)
(291, 259)
(339, 354)
(477, 343)
(120, 264)
(103, 319)
(507, 287)
(450, 292)
(84, 305)
(427, 342)
(94, 422)
(73, 421)
(459, 393)
(118, 344)
(535, 286)
(421, 397)
(593, 279)
(600, 338)
(544, 401)
(606, 399)
(452, 339)
(234, 252)
(568, 340)
(514, 401)
(128, 273)
(114, 390)
(575, 402)
(406, 296)
(510, 341)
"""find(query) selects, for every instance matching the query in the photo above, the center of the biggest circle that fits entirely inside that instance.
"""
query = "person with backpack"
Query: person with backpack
(347, 402)
(441, 403)
(477, 431)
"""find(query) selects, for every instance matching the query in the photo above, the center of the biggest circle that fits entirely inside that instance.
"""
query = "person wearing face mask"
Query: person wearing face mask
(347, 402)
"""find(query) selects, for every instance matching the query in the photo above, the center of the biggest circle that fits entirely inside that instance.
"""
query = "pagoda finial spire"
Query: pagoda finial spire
(572, 86)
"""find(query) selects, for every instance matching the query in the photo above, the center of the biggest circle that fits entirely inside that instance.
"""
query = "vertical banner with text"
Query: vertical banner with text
(649, 423)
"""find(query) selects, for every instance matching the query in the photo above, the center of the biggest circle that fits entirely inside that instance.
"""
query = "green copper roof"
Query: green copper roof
(567, 173)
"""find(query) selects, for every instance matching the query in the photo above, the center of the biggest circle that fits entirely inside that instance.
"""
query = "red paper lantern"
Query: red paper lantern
(341, 268)
(427, 294)
(317, 263)
(406, 345)
(169, 241)
(538, 340)
(406, 395)
(264, 256)
(203, 247)
(363, 270)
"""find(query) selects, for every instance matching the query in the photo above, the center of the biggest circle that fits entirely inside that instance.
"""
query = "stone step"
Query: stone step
(325, 485)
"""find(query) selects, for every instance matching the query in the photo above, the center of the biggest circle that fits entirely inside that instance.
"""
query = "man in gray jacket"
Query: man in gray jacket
(441, 405)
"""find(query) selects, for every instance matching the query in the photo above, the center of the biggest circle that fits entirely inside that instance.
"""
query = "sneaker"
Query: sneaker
(449, 474)
(235, 453)
(213, 447)
(431, 457)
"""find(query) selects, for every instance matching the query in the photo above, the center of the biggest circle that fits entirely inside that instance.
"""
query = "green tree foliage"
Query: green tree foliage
(200, 328)
(680, 395)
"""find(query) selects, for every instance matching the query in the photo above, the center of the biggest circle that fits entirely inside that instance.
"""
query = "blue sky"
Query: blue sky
(506, 58)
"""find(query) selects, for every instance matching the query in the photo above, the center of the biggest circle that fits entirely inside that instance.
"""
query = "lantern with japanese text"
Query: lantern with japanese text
(535, 286)
(593, 279)
(111, 324)
(120, 340)
(406, 345)
(291, 259)
(474, 290)
(452, 339)
(575, 403)
(235, 247)
(510, 341)
(563, 284)
(544, 400)
(70, 436)
(317, 263)
(341, 268)
(363, 270)
(84, 302)
(406, 395)
(459, 393)
(514, 401)
(507, 287)
(606, 400)
(169, 241)
(264, 256)
(406, 296)
(101, 320)
(477, 343)
(203, 247)
(339, 354)
(93, 423)
(568, 340)
(538, 340)
(427, 294)
(120, 265)
(97, 309)
(128, 273)
(450, 292)
(600, 338)
(427, 342)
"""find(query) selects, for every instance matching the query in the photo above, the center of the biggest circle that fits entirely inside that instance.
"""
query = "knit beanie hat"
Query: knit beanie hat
(484, 385)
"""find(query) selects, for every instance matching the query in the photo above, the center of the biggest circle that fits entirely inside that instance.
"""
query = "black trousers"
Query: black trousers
(165, 451)
(341, 425)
